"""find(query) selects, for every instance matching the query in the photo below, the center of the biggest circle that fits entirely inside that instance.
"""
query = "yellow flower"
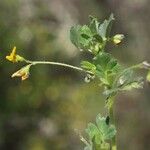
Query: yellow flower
(23, 73)
(13, 57)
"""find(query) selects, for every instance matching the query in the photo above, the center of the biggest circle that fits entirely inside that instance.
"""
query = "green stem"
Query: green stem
(113, 144)
(110, 103)
(57, 64)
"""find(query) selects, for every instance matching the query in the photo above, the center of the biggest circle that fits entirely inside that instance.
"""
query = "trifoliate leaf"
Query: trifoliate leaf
(99, 134)
(128, 81)
(102, 60)
(124, 80)
(108, 131)
(101, 131)
(106, 67)
(125, 85)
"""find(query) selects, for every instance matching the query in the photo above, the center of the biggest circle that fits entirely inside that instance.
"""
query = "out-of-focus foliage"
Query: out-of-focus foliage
(42, 112)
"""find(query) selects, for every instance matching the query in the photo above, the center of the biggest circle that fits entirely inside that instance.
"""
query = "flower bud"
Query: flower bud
(13, 57)
(23, 72)
(118, 38)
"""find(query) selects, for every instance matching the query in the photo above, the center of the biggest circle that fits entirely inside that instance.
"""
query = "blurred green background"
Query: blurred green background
(42, 112)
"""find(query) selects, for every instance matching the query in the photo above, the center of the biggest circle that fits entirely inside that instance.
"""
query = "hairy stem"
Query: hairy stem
(57, 64)
(113, 144)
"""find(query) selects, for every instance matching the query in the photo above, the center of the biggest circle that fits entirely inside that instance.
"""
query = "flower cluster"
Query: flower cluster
(23, 72)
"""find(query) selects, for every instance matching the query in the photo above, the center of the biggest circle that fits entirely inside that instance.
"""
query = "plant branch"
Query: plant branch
(113, 144)
(57, 64)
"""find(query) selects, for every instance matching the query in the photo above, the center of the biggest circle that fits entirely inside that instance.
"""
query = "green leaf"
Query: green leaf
(92, 131)
(91, 38)
(98, 38)
(88, 66)
(107, 62)
(106, 68)
(75, 35)
(80, 36)
(128, 81)
(125, 85)
(86, 30)
(102, 60)
(124, 80)
(105, 27)
(133, 85)
(101, 131)
(99, 134)
(125, 77)
(101, 123)
(110, 133)
(94, 25)
(112, 64)
(107, 131)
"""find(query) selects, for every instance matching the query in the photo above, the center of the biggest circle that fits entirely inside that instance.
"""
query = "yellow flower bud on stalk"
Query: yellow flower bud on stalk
(118, 38)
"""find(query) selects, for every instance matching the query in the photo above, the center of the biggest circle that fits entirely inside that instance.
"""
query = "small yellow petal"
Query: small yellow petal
(23, 73)
(13, 51)
(8, 58)
(25, 76)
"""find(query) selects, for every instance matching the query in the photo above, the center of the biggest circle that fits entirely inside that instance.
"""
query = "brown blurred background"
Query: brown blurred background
(42, 112)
